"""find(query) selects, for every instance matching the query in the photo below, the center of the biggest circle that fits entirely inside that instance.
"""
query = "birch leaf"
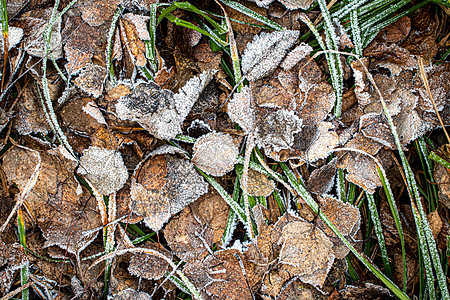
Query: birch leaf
(215, 153)
(104, 169)
(265, 52)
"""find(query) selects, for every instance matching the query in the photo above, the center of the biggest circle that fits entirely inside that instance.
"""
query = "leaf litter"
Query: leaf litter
(285, 107)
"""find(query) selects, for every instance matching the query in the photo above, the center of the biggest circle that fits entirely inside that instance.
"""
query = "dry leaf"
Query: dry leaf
(215, 153)
(130, 294)
(369, 291)
(12, 258)
(97, 12)
(162, 186)
(297, 4)
(344, 216)
(60, 210)
(321, 180)
(259, 184)
(442, 175)
(104, 169)
(308, 249)
(149, 266)
(191, 235)
(265, 52)
(241, 109)
(160, 111)
(15, 35)
(90, 80)
(133, 32)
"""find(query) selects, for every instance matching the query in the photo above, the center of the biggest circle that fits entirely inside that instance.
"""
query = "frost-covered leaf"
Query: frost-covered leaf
(277, 129)
(224, 275)
(162, 186)
(293, 57)
(297, 4)
(90, 80)
(133, 31)
(97, 12)
(104, 169)
(265, 52)
(259, 184)
(160, 111)
(33, 23)
(82, 43)
(149, 266)
(306, 247)
(191, 235)
(344, 216)
(375, 127)
(130, 294)
(443, 174)
(215, 153)
(327, 140)
(61, 208)
(321, 180)
(12, 258)
(241, 109)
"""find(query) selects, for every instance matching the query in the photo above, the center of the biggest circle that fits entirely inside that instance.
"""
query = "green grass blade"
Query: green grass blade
(150, 46)
(232, 218)
(379, 233)
(341, 186)
(356, 32)
(24, 273)
(109, 47)
(248, 12)
(433, 156)
(428, 170)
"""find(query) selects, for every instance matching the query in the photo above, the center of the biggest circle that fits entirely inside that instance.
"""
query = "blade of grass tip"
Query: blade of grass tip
(250, 13)
(191, 288)
(109, 47)
(433, 156)
(234, 51)
(365, 260)
(383, 13)
(379, 233)
(24, 274)
(232, 218)
(348, 8)
(5, 29)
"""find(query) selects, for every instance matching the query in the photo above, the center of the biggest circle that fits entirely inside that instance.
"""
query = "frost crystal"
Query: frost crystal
(104, 169)
(296, 4)
(265, 52)
(296, 55)
(241, 109)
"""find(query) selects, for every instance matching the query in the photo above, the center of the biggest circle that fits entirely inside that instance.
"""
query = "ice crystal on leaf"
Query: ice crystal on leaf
(265, 52)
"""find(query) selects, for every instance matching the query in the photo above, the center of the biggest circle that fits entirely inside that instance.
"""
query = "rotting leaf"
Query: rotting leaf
(162, 186)
(215, 153)
(148, 266)
(12, 258)
(160, 111)
(265, 52)
(191, 235)
(62, 209)
(308, 249)
(104, 169)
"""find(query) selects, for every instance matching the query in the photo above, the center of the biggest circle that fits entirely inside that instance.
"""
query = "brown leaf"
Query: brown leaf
(397, 31)
(62, 209)
(191, 235)
(215, 153)
(90, 80)
(149, 266)
(162, 186)
(133, 32)
(321, 180)
(97, 12)
(309, 250)
(369, 291)
(344, 216)
(130, 294)
(259, 185)
(83, 42)
(12, 258)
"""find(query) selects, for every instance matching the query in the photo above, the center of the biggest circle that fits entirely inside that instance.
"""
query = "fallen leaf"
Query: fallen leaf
(162, 186)
(241, 109)
(15, 35)
(265, 53)
(191, 235)
(62, 213)
(309, 250)
(259, 185)
(104, 169)
(133, 32)
(321, 180)
(148, 266)
(369, 291)
(90, 80)
(97, 12)
(297, 4)
(215, 153)
(12, 258)
(130, 294)
(160, 111)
